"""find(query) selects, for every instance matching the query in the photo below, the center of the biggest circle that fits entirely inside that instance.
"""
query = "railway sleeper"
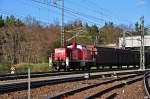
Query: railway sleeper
(68, 93)
(120, 85)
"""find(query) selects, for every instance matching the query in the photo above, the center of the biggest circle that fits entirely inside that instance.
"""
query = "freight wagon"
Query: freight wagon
(116, 57)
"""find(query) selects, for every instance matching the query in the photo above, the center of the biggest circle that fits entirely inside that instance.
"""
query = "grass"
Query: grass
(41, 67)
(4, 68)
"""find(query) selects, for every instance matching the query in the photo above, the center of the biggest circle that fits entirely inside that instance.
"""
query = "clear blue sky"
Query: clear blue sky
(90, 11)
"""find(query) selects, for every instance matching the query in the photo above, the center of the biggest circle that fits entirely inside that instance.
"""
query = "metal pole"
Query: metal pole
(124, 40)
(142, 52)
(62, 26)
(96, 41)
(29, 94)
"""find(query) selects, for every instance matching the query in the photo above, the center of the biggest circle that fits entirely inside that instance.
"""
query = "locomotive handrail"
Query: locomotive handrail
(146, 84)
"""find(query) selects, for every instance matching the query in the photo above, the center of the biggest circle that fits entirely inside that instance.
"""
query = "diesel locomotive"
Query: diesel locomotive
(72, 57)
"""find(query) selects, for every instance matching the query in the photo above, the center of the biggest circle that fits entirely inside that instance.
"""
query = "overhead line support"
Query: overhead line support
(142, 50)
(62, 26)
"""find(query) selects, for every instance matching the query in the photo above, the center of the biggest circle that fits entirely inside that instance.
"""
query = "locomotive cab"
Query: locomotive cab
(59, 61)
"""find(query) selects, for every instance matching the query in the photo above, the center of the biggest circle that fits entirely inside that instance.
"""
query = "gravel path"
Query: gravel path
(91, 91)
(133, 91)
(51, 90)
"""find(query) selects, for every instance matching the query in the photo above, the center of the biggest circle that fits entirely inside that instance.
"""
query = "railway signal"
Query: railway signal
(12, 69)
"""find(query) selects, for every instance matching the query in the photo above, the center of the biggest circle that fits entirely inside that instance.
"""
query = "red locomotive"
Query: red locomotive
(72, 57)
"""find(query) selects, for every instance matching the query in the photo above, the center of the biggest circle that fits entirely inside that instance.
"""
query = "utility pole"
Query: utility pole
(124, 40)
(142, 52)
(62, 35)
(96, 41)
(62, 26)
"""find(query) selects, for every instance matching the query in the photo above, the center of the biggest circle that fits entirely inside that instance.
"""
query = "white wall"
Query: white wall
(135, 41)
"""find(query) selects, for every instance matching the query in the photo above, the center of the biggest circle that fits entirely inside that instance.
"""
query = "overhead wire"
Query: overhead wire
(112, 15)
(71, 11)
(70, 15)
(4, 12)
(80, 13)
(87, 7)
(38, 7)
(96, 12)
(100, 11)
(93, 17)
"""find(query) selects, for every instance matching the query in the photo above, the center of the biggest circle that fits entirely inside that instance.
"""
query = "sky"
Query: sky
(97, 12)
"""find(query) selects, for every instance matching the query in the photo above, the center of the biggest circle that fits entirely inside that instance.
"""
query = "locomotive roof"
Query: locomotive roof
(78, 46)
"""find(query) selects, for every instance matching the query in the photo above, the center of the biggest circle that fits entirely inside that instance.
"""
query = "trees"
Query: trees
(93, 31)
(1, 21)
(110, 34)
(22, 43)
(12, 21)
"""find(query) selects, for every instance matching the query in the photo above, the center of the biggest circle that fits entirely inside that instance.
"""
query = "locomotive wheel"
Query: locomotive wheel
(58, 69)
(83, 68)
(97, 67)
(80, 68)
(74, 68)
(68, 69)
(88, 67)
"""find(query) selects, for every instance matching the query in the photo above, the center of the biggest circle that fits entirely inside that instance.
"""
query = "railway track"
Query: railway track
(97, 90)
(33, 75)
(4, 77)
(147, 84)
(6, 88)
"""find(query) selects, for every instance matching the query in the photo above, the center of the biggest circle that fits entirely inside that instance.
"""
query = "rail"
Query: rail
(146, 84)
(46, 74)
(5, 88)
(72, 92)
(119, 85)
